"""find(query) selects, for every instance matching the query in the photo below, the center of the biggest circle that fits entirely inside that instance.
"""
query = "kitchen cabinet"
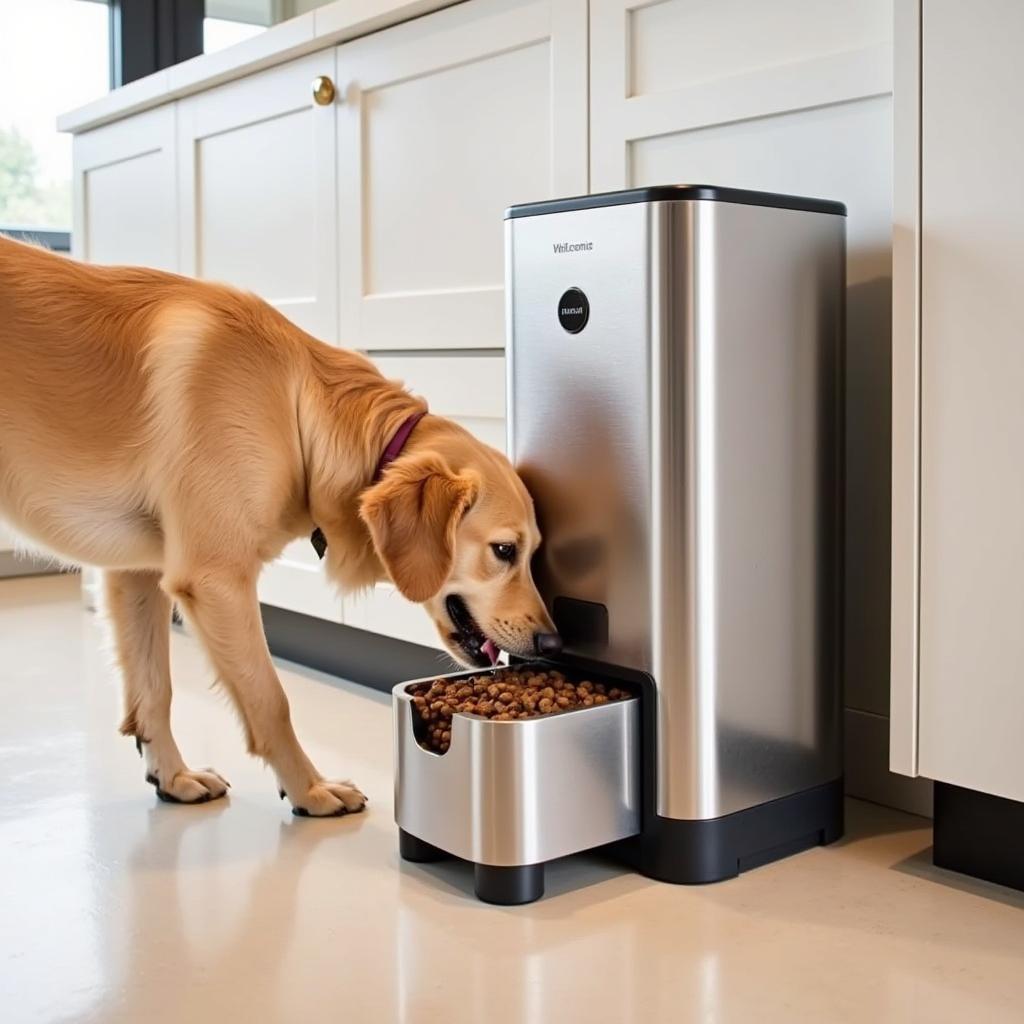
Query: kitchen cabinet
(958, 420)
(442, 123)
(257, 200)
(125, 192)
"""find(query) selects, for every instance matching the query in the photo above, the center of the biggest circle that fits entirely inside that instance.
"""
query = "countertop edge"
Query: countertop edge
(316, 30)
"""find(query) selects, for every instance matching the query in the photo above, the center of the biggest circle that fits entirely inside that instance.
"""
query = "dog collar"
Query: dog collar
(391, 452)
(397, 443)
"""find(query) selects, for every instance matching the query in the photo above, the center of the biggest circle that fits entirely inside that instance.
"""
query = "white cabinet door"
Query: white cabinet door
(971, 686)
(125, 192)
(471, 391)
(258, 206)
(666, 74)
(446, 121)
(258, 210)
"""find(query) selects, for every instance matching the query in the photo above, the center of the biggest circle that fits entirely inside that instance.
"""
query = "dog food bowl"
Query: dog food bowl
(509, 796)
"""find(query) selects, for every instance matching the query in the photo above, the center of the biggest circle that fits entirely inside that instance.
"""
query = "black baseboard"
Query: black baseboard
(354, 654)
(979, 834)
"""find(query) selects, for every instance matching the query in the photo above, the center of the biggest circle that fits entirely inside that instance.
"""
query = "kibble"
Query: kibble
(505, 695)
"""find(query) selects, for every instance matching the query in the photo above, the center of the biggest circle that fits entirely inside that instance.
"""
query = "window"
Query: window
(54, 55)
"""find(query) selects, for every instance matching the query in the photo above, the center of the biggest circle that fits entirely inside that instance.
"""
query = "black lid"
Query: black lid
(677, 193)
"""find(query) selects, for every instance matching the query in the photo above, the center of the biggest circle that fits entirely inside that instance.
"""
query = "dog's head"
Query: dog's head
(459, 541)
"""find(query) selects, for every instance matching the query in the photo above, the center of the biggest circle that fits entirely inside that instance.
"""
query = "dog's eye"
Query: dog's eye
(505, 552)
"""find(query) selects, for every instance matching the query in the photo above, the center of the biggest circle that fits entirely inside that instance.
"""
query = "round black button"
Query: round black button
(573, 311)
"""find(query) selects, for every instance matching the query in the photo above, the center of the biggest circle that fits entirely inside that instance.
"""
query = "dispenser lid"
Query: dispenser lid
(678, 193)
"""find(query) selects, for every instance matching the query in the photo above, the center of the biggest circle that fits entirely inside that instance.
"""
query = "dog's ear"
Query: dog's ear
(412, 516)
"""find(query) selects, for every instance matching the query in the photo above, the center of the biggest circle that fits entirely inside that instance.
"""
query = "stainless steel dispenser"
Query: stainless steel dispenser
(674, 397)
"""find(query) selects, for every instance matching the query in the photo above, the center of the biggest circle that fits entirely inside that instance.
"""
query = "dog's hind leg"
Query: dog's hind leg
(223, 606)
(140, 613)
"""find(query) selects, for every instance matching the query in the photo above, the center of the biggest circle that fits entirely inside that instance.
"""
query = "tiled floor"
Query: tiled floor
(114, 907)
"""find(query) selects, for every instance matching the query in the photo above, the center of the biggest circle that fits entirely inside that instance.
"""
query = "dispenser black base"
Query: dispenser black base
(504, 886)
(697, 852)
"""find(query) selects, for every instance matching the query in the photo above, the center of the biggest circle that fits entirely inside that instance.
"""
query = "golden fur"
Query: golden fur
(179, 434)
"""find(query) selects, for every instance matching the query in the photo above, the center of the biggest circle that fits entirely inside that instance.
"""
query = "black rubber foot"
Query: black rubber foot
(509, 887)
(415, 850)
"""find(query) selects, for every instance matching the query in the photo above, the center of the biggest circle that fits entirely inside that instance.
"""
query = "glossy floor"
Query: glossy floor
(114, 907)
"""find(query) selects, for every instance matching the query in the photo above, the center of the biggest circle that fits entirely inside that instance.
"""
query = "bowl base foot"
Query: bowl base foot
(509, 886)
(416, 850)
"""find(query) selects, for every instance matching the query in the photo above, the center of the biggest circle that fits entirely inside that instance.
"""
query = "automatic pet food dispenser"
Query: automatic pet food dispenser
(674, 375)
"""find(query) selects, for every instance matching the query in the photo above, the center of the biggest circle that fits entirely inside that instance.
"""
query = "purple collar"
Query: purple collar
(390, 453)
(397, 443)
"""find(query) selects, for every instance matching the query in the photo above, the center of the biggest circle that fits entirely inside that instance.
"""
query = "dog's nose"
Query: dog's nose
(547, 644)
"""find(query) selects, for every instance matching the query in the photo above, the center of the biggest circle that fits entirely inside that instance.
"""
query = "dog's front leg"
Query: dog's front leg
(223, 606)
(140, 614)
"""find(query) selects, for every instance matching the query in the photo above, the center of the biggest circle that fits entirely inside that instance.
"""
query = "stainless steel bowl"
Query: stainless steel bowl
(521, 792)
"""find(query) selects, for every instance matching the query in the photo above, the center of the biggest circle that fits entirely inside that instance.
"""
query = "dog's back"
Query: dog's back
(70, 342)
(118, 384)
(72, 410)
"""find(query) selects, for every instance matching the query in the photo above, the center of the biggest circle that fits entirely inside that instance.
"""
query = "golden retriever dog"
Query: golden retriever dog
(179, 434)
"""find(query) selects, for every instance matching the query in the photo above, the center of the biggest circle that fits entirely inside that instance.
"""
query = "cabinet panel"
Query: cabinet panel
(471, 391)
(445, 122)
(660, 69)
(505, 97)
(296, 581)
(675, 43)
(125, 189)
(257, 183)
(242, 206)
(971, 687)
(468, 389)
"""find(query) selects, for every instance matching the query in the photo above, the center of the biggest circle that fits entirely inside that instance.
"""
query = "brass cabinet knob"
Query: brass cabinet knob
(323, 91)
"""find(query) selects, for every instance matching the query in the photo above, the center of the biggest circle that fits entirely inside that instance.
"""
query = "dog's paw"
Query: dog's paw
(329, 799)
(186, 787)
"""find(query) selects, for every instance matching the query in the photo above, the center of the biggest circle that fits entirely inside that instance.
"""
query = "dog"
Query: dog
(178, 434)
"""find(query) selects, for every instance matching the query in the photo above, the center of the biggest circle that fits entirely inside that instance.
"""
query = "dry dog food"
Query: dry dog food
(503, 695)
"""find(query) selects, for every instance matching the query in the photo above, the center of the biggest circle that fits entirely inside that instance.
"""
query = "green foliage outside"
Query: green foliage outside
(25, 201)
